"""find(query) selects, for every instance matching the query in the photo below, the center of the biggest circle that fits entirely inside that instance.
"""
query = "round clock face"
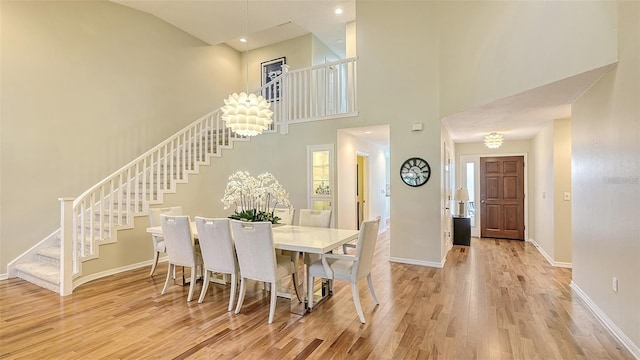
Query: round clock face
(415, 171)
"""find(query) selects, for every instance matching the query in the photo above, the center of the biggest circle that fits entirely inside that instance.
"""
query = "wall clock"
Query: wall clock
(415, 172)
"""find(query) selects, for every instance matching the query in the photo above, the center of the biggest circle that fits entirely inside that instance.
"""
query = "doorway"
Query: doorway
(362, 173)
(502, 197)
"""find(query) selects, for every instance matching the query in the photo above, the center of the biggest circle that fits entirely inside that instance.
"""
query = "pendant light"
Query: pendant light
(247, 114)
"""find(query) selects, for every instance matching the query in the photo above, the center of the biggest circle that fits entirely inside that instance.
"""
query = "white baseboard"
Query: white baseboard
(607, 322)
(434, 264)
(85, 279)
(4, 276)
(548, 258)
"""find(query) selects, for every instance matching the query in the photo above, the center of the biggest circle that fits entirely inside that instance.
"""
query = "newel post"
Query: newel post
(284, 104)
(66, 246)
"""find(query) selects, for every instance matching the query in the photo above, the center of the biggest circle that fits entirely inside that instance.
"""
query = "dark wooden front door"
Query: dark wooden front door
(502, 197)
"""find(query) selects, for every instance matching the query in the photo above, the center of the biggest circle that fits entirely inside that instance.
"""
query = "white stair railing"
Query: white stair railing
(314, 93)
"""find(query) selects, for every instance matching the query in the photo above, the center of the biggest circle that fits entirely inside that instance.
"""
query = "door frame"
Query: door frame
(475, 232)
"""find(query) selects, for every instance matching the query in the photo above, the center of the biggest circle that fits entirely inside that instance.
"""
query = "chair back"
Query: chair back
(154, 214)
(285, 215)
(178, 240)
(315, 218)
(256, 253)
(366, 247)
(216, 244)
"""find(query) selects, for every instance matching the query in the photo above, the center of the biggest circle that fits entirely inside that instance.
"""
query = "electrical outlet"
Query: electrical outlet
(614, 284)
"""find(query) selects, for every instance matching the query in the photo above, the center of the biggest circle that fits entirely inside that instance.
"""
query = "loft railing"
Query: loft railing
(314, 93)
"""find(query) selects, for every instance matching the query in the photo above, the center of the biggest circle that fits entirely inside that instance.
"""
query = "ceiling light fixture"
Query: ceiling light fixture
(338, 11)
(493, 140)
(247, 114)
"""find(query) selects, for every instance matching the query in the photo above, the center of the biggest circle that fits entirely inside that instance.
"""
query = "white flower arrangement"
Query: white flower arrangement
(254, 198)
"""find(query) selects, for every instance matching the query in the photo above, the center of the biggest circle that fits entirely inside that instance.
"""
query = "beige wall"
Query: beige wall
(493, 49)
(551, 149)
(349, 147)
(400, 88)
(562, 184)
(86, 87)
(606, 185)
(320, 53)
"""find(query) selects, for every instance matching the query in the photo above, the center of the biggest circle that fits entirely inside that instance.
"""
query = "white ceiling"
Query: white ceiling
(267, 22)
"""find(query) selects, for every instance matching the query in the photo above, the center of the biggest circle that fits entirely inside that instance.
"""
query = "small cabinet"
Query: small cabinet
(461, 231)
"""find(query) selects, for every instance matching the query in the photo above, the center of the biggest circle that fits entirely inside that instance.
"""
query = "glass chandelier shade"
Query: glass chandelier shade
(247, 115)
(493, 140)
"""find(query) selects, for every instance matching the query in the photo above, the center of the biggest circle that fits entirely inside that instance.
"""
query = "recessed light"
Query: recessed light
(368, 132)
(243, 40)
(338, 11)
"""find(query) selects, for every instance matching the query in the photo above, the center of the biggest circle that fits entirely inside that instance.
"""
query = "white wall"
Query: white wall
(543, 190)
(493, 49)
(606, 185)
(401, 88)
(562, 184)
(86, 87)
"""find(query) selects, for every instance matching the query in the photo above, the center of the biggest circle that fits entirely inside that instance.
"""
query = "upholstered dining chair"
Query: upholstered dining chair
(218, 253)
(158, 241)
(258, 261)
(351, 244)
(181, 250)
(285, 215)
(350, 268)
(314, 218)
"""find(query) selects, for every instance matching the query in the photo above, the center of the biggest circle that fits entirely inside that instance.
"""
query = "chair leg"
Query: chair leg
(156, 256)
(241, 295)
(272, 306)
(166, 283)
(205, 286)
(373, 293)
(192, 285)
(356, 300)
(232, 297)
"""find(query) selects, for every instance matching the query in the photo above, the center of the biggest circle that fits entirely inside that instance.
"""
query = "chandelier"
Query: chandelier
(246, 114)
(493, 140)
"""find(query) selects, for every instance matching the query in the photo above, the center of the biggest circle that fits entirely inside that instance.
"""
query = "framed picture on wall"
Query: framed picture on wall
(270, 70)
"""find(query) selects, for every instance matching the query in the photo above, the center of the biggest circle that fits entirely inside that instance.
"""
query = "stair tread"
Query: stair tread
(47, 272)
(52, 252)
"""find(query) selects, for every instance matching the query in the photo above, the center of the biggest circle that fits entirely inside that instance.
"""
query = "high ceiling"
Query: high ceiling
(264, 22)
(267, 22)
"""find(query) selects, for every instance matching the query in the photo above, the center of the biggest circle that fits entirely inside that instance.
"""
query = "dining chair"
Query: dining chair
(258, 260)
(285, 215)
(351, 244)
(181, 250)
(314, 218)
(350, 268)
(158, 241)
(218, 253)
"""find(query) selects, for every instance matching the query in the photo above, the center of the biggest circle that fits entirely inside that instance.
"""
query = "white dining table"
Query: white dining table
(301, 239)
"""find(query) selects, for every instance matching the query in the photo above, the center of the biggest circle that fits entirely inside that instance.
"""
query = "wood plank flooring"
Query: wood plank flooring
(497, 299)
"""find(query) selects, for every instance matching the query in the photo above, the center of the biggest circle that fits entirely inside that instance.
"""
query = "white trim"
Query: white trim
(434, 264)
(607, 322)
(4, 276)
(548, 258)
(99, 275)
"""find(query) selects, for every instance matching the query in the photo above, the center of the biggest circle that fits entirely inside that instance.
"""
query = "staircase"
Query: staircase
(94, 218)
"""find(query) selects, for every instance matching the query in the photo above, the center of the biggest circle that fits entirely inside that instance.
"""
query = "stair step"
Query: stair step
(41, 274)
(50, 255)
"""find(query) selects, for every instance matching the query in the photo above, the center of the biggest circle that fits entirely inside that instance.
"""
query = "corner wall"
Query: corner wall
(606, 187)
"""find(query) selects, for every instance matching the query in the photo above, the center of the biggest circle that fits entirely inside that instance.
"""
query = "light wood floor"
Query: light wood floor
(497, 299)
